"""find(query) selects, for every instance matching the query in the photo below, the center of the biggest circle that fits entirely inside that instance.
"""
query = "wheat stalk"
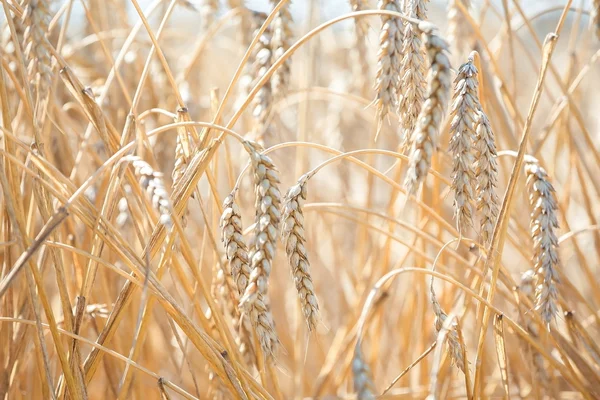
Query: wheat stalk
(389, 57)
(292, 232)
(486, 174)
(208, 13)
(544, 223)
(465, 107)
(268, 202)
(36, 18)
(280, 42)
(424, 137)
(361, 375)
(412, 74)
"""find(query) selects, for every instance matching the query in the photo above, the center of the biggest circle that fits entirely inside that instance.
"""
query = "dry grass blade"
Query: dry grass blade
(424, 137)
(544, 223)
(465, 105)
(292, 232)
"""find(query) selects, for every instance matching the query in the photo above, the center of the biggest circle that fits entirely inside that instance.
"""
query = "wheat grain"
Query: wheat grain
(464, 113)
(389, 57)
(280, 42)
(412, 74)
(361, 375)
(292, 232)
(486, 174)
(36, 18)
(152, 182)
(544, 223)
(424, 137)
(268, 202)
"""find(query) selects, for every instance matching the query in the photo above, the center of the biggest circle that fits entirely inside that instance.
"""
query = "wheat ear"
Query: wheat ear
(361, 376)
(281, 40)
(36, 18)
(455, 347)
(527, 287)
(389, 57)
(424, 137)
(292, 232)
(236, 251)
(465, 107)
(262, 59)
(544, 224)
(459, 30)
(268, 203)
(152, 182)
(412, 74)
(233, 240)
(486, 174)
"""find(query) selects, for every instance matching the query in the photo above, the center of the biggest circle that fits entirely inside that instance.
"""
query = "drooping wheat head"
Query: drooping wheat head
(268, 216)
(527, 287)
(486, 174)
(455, 347)
(292, 232)
(389, 58)
(412, 74)
(465, 105)
(459, 30)
(364, 387)
(544, 223)
(262, 59)
(233, 240)
(280, 42)
(36, 18)
(152, 183)
(257, 310)
(424, 137)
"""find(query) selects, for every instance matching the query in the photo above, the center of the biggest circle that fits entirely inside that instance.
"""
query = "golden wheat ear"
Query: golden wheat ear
(544, 223)
(424, 137)
(292, 232)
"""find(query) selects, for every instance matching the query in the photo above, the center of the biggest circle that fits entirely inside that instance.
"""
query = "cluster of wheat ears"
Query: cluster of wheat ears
(425, 173)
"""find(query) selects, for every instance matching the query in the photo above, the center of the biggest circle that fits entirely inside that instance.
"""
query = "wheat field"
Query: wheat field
(392, 199)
